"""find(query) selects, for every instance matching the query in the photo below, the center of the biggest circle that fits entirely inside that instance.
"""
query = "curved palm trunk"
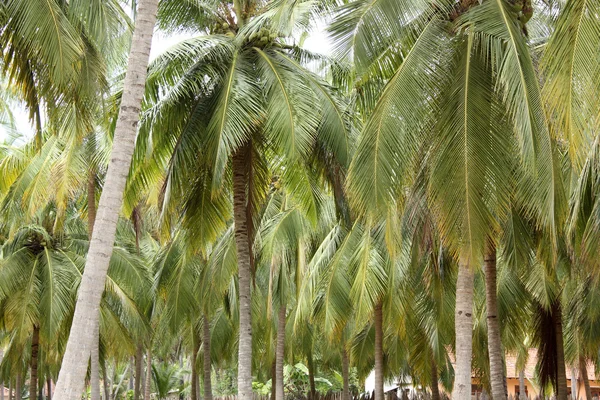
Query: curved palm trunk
(379, 352)
(242, 244)
(95, 364)
(195, 350)
(279, 353)
(345, 375)
(561, 369)
(70, 382)
(33, 378)
(206, 358)
(463, 325)
(139, 360)
(584, 376)
(148, 387)
(493, 327)
(435, 389)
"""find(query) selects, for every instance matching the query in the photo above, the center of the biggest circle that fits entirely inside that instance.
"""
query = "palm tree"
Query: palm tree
(261, 102)
(71, 377)
(443, 71)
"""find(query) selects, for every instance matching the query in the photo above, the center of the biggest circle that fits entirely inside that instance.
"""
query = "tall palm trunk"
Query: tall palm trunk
(95, 364)
(148, 388)
(105, 380)
(435, 389)
(72, 374)
(379, 351)
(18, 386)
(242, 243)
(311, 376)
(584, 376)
(279, 353)
(49, 389)
(95, 352)
(463, 326)
(273, 373)
(195, 349)
(345, 374)
(522, 395)
(493, 327)
(573, 383)
(561, 369)
(139, 361)
(33, 378)
(206, 358)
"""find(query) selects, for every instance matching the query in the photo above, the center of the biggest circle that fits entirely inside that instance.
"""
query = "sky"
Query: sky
(317, 42)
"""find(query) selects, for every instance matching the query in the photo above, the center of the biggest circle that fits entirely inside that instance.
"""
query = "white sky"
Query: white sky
(317, 42)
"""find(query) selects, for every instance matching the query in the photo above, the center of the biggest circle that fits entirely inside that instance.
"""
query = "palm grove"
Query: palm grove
(420, 202)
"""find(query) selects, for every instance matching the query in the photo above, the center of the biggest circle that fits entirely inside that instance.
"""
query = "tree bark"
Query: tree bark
(71, 378)
(95, 363)
(195, 349)
(463, 325)
(49, 389)
(584, 376)
(435, 388)
(11, 395)
(206, 358)
(573, 383)
(561, 373)
(33, 378)
(345, 374)
(493, 327)
(242, 242)
(379, 352)
(148, 388)
(522, 391)
(139, 361)
(280, 353)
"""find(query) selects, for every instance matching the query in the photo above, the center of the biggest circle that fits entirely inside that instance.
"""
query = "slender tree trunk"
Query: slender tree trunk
(71, 378)
(106, 382)
(493, 327)
(195, 349)
(131, 382)
(279, 353)
(522, 394)
(573, 383)
(345, 374)
(584, 377)
(242, 242)
(139, 361)
(379, 352)
(311, 376)
(33, 378)
(561, 392)
(148, 388)
(206, 358)
(11, 393)
(18, 386)
(2, 384)
(463, 325)
(273, 380)
(49, 388)
(95, 363)
(435, 388)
